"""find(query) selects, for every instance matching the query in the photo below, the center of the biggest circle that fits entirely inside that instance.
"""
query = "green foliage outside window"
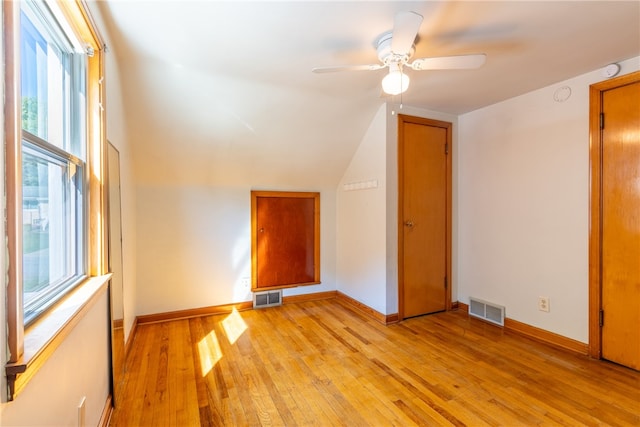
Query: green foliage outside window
(30, 114)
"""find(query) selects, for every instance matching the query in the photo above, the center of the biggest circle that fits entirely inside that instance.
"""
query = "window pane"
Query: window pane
(53, 90)
(52, 224)
(53, 81)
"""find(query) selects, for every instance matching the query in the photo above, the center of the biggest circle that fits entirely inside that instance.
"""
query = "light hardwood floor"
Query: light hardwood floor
(322, 363)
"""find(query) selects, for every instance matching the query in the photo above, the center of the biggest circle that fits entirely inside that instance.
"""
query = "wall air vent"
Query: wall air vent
(486, 311)
(267, 298)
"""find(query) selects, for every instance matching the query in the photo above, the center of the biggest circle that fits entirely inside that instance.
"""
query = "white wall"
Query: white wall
(523, 210)
(194, 246)
(78, 368)
(361, 221)
(117, 135)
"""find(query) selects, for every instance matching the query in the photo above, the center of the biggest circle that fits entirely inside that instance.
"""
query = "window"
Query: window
(54, 151)
(53, 116)
(52, 235)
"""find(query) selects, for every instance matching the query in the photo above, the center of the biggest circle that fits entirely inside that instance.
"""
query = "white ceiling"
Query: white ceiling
(222, 93)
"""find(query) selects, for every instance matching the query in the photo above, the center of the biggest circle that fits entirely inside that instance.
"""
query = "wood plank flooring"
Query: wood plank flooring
(321, 363)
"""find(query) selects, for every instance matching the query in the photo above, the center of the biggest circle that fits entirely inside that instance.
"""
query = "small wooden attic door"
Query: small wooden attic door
(285, 239)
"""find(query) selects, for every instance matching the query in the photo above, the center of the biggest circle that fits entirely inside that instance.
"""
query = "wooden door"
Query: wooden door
(618, 143)
(286, 239)
(424, 215)
(621, 225)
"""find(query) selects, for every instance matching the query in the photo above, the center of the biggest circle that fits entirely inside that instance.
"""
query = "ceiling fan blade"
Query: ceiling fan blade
(405, 30)
(368, 67)
(458, 62)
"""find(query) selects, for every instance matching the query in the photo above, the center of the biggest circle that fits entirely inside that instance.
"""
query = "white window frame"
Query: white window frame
(75, 224)
(29, 346)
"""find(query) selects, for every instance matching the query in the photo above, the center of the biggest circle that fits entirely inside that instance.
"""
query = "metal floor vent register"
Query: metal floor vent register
(267, 298)
(486, 311)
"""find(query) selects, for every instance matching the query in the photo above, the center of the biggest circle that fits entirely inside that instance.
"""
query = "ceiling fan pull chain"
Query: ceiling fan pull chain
(402, 76)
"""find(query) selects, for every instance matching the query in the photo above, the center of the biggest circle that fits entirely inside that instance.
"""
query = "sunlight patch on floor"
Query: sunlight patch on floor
(209, 352)
(234, 326)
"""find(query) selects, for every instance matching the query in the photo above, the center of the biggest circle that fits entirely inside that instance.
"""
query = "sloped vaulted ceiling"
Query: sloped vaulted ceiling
(222, 93)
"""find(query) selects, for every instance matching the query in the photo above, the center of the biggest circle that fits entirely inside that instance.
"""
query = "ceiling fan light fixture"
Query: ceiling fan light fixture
(395, 83)
(396, 47)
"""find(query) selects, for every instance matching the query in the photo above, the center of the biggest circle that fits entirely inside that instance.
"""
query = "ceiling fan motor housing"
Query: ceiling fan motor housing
(386, 55)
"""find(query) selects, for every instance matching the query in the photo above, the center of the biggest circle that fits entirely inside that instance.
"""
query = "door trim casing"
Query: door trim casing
(449, 129)
(596, 91)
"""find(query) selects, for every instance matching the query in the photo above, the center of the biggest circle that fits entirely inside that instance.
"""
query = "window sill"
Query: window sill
(43, 337)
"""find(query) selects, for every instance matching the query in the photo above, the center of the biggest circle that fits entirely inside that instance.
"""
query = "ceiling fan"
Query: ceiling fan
(395, 49)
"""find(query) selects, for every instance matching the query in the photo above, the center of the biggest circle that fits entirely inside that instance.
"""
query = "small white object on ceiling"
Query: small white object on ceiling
(610, 70)
(562, 94)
